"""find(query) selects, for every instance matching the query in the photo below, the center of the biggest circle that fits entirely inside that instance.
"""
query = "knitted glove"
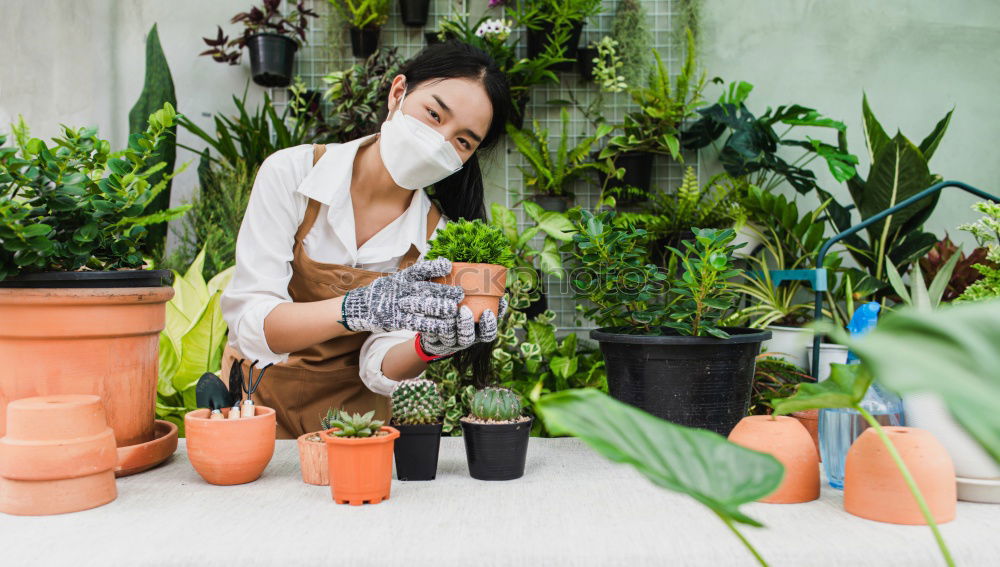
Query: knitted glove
(465, 332)
(405, 300)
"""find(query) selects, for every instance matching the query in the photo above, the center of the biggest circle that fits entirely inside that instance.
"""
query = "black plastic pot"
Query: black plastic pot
(63, 280)
(414, 12)
(538, 41)
(638, 170)
(693, 381)
(416, 451)
(585, 62)
(496, 451)
(364, 42)
(272, 57)
(557, 203)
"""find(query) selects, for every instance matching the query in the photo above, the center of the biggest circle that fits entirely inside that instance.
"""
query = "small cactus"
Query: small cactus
(417, 402)
(496, 404)
(348, 425)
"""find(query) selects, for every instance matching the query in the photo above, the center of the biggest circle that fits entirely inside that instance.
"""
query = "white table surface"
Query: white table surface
(571, 508)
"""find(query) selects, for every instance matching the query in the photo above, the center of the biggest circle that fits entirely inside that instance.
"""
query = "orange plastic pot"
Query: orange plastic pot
(810, 420)
(58, 456)
(874, 488)
(101, 341)
(313, 461)
(360, 469)
(228, 452)
(788, 441)
(484, 285)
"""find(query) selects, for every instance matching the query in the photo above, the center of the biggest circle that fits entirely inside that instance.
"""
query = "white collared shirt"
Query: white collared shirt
(285, 182)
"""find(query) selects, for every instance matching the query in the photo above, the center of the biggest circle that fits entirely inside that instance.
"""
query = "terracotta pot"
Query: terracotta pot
(360, 469)
(484, 285)
(230, 452)
(810, 420)
(58, 456)
(312, 460)
(101, 341)
(874, 488)
(788, 441)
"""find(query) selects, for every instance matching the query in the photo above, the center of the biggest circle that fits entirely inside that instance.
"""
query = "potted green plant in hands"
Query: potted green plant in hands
(553, 25)
(359, 454)
(663, 347)
(417, 408)
(365, 19)
(480, 257)
(271, 36)
(550, 174)
(496, 435)
(72, 224)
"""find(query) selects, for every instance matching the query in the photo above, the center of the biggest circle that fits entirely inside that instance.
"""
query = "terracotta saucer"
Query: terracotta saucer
(144, 456)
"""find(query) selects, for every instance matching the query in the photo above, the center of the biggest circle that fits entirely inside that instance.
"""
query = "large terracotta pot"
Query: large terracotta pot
(313, 460)
(360, 468)
(101, 341)
(228, 452)
(874, 488)
(58, 456)
(788, 441)
(484, 285)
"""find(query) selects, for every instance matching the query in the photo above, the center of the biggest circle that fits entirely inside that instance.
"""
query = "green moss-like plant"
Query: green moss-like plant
(474, 242)
(634, 43)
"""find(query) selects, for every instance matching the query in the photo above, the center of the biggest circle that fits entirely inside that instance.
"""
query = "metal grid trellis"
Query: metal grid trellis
(321, 56)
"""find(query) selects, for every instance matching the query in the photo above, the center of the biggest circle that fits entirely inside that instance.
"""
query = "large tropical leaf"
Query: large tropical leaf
(696, 462)
(898, 173)
(930, 143)
(201, 346)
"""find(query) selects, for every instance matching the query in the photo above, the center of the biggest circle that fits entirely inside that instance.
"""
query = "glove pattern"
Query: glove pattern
(465, 332)
(405, 300)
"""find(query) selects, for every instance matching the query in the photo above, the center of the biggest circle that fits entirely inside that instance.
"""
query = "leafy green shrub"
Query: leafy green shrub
(77, 204)
(633, 41)
(357, 95)
(987, 232)
(474, 242)
(362, 14)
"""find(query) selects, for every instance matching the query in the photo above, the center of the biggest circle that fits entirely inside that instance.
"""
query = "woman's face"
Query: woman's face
(458, 109)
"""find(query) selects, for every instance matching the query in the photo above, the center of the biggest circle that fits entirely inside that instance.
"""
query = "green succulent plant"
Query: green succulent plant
(496, 404)
(417, 402)
(351, 425)
(472, 241)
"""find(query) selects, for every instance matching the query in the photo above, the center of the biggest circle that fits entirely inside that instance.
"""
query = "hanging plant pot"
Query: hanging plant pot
(557, 203)
(414, 12)
(538, 41)
(272, 57)
(312, 459)
(785, 439)
(484, 285)
(638, 171)
(104, 327)
(585, 63)
(416, 451)
(692, 381)
(364, 42)
(496, 451)
(230, 451)
(790, 344)
(360, 468)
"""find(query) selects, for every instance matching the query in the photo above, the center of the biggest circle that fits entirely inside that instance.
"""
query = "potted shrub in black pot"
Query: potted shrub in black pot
(272, 38)
(417, 408)
(659, 334)
(496, 435)
(365, 19)
(553, 26)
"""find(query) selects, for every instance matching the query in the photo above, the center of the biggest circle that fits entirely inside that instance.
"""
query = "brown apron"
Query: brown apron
(324, 375)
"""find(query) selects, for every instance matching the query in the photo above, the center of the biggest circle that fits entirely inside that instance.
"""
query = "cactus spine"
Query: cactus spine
(417, 402)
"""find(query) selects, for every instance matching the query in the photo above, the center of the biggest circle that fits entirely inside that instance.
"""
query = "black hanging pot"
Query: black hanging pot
(364, 41)
(414, 12)
(87, 279)
(557, 203)
(585, 62)
(272, 57)
(692, 381)
(538, 40)
(496, 451)
(638, 171)
(416, 451)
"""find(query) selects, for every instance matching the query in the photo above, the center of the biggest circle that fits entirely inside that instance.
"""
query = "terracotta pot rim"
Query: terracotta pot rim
(260, 412)
(393, 433)
(304, 437)
(86, 296)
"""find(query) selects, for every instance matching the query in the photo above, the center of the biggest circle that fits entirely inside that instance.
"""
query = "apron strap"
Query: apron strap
(312, 210)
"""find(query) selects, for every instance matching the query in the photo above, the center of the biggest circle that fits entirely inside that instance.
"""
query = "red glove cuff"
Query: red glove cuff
(423, 355)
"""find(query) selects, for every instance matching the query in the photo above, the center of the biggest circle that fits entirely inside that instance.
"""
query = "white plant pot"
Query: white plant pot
(748, 234)
(828, 354)
(789, 343)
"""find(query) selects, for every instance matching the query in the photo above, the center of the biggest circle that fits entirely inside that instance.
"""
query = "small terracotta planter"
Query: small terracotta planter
(810, 420)
(312, 459)
(228, 452)
(484, 285)
(788, 441)
(874, 488)
(360, 468)
(59, 456)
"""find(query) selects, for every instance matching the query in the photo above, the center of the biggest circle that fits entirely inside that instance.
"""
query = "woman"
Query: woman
(327, 287)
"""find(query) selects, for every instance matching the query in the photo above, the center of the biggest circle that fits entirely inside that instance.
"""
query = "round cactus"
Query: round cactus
(416, 402)
(496, 404)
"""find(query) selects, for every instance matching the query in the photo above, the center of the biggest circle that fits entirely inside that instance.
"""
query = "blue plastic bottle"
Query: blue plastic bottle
(838, 428)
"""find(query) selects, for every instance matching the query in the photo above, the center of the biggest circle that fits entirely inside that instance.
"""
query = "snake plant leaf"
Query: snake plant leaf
(702, 464)
(845, 388)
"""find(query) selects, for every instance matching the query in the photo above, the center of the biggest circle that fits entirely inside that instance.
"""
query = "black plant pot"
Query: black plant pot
(496, 451)
(538, 41)
(364, 42)
(272, 57)
(416, 451)
(638, 170)
(585, 62)
(63, 280)
(557, 203)
(311, 101)
(693, 381)
(414, 12)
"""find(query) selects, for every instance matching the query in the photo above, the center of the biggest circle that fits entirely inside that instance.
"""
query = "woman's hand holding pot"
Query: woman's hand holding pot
(464, 333)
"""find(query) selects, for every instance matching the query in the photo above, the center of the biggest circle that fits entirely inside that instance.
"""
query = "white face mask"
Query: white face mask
(415, 154)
